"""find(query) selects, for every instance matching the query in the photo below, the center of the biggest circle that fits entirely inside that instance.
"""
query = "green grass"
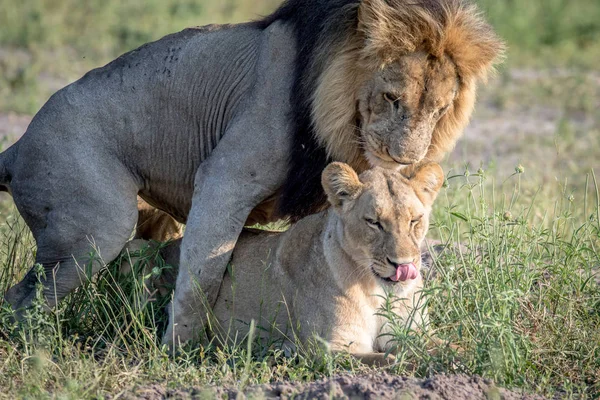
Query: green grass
(560, 32)
(45, 44)
(523, 294)
(519, 299)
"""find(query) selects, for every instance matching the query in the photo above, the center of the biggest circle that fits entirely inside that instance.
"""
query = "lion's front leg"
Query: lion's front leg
(227, 190)
(248, 166)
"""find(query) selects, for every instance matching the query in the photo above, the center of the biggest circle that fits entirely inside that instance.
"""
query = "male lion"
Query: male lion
(210, 124)
(330, 273)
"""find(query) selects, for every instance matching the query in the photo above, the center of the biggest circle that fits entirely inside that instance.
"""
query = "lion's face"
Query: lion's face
(384, 216)
(400, 105)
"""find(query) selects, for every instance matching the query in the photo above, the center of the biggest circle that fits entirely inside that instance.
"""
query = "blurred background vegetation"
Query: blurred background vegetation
(45, 44)
(520, 186)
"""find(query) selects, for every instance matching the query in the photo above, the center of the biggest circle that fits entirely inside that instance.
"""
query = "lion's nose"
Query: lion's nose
(399, 160)
(402, 157)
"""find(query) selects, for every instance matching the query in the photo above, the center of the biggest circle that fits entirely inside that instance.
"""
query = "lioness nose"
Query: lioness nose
(394, 262)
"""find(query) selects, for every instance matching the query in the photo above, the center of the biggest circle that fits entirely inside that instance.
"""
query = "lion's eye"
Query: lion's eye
(393, 100)
(374, 223)
(443, 110)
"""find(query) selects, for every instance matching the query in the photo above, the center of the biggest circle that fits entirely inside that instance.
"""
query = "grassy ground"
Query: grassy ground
(521, 299)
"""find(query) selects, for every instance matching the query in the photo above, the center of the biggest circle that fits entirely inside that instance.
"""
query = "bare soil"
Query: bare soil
(373, 386)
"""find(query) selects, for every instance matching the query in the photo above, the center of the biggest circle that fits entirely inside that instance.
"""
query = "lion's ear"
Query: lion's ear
(427, 180)
(341, 184)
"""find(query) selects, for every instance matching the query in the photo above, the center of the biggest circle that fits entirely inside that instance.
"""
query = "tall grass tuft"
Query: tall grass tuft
(518, 300)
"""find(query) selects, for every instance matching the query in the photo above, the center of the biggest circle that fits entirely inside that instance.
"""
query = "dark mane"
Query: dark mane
(338, 38)
(318, 25)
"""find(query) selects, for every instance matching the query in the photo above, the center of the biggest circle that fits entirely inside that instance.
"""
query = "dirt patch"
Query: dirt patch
(373, 386)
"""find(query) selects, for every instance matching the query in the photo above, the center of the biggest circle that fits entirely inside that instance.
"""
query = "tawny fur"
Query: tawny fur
(157, 225)
(327, 275)
(387, 31)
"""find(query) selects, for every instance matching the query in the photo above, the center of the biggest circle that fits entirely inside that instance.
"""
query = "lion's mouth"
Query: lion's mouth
(381, 160)
(381, 157)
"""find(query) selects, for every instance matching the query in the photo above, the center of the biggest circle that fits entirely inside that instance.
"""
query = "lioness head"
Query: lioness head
(384, 216)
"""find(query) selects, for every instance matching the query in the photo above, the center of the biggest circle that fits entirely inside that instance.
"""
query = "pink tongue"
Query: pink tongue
(405, 272)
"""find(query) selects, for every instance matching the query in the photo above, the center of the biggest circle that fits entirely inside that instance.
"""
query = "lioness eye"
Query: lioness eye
(374, 223)
(415, 221)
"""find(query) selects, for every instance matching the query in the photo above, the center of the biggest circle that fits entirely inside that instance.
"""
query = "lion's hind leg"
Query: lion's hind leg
(75, 237)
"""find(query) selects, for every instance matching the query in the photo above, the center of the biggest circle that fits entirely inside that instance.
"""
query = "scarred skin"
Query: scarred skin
(133, 127)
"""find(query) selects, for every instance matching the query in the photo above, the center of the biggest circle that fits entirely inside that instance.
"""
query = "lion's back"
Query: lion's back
(174, 96)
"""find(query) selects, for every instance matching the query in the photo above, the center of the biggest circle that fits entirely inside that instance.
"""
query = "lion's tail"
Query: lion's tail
(6, 160)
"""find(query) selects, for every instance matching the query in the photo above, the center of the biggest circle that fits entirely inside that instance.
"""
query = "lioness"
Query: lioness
(213, 124)
(329, 273)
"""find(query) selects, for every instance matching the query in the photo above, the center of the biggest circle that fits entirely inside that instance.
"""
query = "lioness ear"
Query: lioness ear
(427, 180)
(341, 183)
